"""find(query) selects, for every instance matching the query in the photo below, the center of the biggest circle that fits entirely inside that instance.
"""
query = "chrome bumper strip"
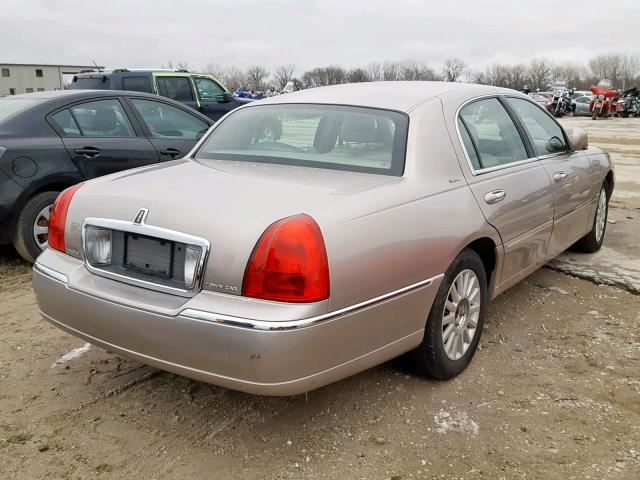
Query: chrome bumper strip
(272, 326)
(50, 272)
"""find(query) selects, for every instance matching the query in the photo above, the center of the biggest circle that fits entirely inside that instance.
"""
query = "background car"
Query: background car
(201, 92)
(313, 235)
(582, 104)
(52, 140)
(539, 99)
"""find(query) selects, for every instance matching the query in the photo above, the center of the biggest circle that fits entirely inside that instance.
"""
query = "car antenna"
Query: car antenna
(94, 62)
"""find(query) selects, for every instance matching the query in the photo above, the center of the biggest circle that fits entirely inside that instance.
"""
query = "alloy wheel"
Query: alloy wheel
(460, 315)
(41, 227)
(601, 215)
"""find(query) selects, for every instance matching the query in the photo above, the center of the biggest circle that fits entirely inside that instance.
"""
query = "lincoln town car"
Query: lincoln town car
(310, 236)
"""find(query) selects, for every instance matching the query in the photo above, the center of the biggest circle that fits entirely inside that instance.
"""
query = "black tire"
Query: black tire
(23, 239)
(590, 243)
(430, 359)
(594, 115)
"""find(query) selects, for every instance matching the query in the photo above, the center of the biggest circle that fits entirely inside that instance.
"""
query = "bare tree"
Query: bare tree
(416, 71)
(231, 77)
(320, 77)
(630, 69)
(357, 75)
(374, 72)
(540, 73)
(181, 65)
(453, 69)
(256, 76)
(608, 65)
(283, 74)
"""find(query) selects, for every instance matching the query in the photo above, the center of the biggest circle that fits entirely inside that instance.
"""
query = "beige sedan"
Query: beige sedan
(310, 236)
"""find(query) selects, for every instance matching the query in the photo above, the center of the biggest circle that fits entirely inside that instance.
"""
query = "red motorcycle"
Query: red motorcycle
(604, 102)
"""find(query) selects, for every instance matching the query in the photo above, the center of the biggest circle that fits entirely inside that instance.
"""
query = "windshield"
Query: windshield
(11, 106)
(336, 137)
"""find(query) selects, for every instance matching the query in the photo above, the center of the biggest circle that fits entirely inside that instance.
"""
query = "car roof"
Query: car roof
(403, 96)
(66, 94)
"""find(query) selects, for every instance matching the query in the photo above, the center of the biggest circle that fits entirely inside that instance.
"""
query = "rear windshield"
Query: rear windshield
(11, 106)
(93, 82)
(337, 137)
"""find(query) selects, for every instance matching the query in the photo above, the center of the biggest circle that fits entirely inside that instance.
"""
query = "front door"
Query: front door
(101, 139)
(568, 171)
(172, 130)
(212, 101)
(511, 186)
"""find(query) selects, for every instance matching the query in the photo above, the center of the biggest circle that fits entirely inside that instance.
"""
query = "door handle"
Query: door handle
(170, 152)
(495, 196)
(88, 152)
(559, 176)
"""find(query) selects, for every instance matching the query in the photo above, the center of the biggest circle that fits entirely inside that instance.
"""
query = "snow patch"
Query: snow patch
(75, 353)
(458, 421)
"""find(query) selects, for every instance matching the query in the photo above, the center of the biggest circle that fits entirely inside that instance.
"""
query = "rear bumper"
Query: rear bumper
(246, 354)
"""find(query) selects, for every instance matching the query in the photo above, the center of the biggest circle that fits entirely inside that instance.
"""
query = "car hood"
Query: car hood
(230, 204)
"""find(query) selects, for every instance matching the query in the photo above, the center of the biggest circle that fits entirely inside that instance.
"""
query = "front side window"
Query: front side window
(136, 84)
(166, 121)
(495, 136)
(102, 118)
(175, 88)
(545, 134)
(208, 90)
(322, 136)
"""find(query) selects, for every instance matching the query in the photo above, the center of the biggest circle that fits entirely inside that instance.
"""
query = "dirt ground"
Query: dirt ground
(553, 392)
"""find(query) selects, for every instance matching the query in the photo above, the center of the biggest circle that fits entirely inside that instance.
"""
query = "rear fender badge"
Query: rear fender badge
(141, 216)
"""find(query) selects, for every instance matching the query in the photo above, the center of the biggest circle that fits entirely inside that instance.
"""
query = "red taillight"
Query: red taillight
(289, 263)
(58, 218)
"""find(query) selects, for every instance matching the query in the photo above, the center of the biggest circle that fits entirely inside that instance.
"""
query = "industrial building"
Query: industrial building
(16, 78)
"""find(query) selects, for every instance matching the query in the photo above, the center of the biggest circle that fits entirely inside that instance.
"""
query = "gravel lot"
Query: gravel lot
(554, 392)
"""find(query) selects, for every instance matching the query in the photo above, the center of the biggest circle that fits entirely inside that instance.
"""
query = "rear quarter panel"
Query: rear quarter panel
(408, 231)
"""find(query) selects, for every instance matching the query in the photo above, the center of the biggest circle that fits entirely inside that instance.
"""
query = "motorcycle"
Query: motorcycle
(560, 103)
(629, 103)
(604, 101)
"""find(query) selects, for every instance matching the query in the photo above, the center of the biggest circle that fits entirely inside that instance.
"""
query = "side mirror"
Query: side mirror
(226, 97)
(578, 139)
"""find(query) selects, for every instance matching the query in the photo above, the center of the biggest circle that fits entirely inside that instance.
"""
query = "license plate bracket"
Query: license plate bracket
(151, 256)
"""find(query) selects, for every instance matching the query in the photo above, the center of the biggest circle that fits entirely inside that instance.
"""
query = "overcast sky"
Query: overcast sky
(310, 33)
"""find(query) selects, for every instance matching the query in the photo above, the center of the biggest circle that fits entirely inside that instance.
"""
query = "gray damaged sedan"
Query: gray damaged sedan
(311, 236)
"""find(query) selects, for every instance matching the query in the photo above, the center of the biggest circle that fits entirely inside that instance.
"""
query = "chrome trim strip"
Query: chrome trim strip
(50, 272)
(273, 326)
(151, 231)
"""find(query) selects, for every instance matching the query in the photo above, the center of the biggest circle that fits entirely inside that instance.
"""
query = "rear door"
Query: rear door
(173, 131)
(510, 184)
(570, 173)
(101, 138)
(177, 87)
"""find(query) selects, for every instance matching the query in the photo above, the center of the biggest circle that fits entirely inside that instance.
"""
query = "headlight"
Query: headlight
(601, 97)
(191, 261)
(97, 245)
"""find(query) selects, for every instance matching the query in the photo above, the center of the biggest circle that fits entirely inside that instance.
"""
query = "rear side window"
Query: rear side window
(66, 124)
(545, 134)
(136, 84)
(494, 134)
(469, 146)
(166, 121)
(322, 136)
(175, 88)
(102, 118)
